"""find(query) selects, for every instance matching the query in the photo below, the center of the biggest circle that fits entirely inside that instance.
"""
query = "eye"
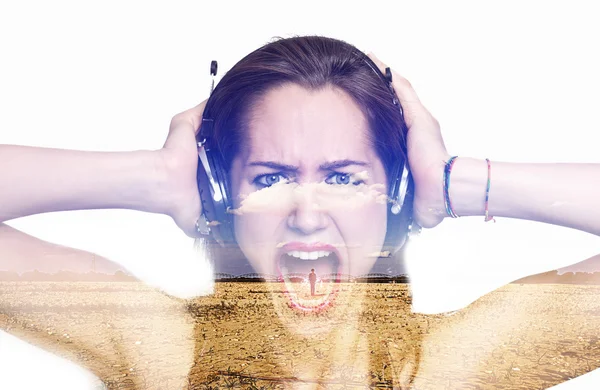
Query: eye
(269, 179)
(341, 179)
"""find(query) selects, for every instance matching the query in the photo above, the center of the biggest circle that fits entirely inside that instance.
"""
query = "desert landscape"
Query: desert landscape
(522, 336)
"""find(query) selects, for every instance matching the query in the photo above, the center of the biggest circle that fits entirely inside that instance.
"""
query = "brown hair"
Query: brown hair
(312, 62)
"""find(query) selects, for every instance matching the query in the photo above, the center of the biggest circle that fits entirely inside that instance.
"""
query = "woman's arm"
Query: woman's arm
(560, 194)
(37, 180)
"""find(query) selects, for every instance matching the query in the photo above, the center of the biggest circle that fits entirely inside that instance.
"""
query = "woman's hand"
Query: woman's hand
(427, 153)
(564, 194)
(179, 159)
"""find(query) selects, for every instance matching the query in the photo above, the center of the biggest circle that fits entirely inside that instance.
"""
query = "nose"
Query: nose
(307, 217)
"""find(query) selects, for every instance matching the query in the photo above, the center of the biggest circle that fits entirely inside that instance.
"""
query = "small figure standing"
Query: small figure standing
(312, 278)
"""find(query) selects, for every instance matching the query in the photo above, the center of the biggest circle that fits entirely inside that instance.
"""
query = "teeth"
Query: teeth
(314, 255)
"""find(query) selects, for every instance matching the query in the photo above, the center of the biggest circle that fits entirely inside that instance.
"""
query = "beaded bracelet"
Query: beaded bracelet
(487, 192)
(447, 169)
(446, 186)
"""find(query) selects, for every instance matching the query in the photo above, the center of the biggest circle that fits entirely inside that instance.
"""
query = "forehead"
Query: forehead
(291, 122)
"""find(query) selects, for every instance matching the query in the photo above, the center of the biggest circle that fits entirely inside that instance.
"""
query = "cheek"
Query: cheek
(259, 214)
(365, 227)
(364, 232)
(254, 229)
(257, 235)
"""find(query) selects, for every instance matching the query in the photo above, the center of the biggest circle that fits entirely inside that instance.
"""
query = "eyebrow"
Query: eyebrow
(328, 166)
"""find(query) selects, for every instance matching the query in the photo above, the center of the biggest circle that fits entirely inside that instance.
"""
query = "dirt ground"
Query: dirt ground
(245, 336)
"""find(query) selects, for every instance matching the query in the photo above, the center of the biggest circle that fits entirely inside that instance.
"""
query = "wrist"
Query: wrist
(174, 187)
(158, 196)
(141, 181)
(467, 190)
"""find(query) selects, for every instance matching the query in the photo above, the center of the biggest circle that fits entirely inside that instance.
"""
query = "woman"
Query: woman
(309, 139)
(164, 181)
(324, 116)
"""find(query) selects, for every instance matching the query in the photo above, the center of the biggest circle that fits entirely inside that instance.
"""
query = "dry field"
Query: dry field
(244, 336)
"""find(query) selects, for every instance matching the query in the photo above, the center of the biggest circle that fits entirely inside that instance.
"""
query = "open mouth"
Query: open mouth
(310, 275)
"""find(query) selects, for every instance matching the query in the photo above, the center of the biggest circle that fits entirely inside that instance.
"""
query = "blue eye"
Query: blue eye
(269, 180)
(338, 178)
(341, 179)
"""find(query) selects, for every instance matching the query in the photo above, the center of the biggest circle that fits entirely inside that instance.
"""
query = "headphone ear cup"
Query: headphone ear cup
(397, 224)
(214, 196)
(225, 218)
(205, 190)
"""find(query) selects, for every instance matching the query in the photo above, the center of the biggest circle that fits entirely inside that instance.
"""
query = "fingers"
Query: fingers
(191, 117)
(197, 112)
(402, 86)
(413, 108)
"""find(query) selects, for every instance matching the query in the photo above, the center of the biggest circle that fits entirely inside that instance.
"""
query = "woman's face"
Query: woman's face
(308, 182)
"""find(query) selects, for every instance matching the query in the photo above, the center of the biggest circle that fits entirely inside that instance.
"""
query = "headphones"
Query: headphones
(217, 220)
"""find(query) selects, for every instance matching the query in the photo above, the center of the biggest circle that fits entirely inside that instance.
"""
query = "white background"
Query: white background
(513, 81)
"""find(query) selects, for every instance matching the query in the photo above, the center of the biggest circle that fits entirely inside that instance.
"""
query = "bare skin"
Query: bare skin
(161, 181)
(164, 180)
(561, 194)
